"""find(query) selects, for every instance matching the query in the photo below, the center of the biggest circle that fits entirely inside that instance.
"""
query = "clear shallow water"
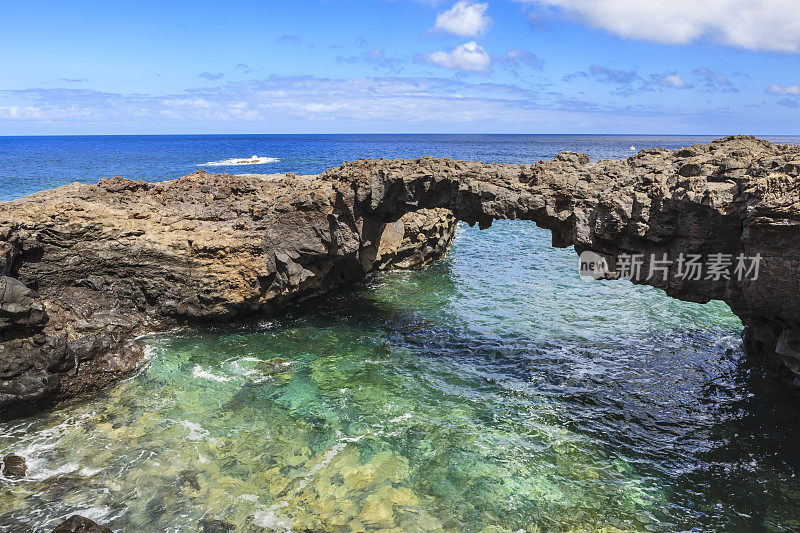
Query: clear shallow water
(494, 389)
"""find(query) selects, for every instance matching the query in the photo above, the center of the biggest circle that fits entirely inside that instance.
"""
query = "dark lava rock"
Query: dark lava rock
(14, 466)
(87, 268)
(77, 523)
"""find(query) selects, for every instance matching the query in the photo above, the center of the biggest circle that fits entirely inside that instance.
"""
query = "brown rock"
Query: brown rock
(416, 239)
(80, 524)
(14, 466)
(219, 247)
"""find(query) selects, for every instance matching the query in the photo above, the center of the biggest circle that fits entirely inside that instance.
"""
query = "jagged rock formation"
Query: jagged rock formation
(85, 269)
(101, 264)
(417, 239)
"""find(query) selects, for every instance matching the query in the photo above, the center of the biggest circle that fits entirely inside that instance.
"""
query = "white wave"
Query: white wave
(199, 372)
(237, 161)
(38, 471)
(729, 342)
(99, 514)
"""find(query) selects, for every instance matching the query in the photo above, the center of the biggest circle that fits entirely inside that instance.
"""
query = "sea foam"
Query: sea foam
(236, 161)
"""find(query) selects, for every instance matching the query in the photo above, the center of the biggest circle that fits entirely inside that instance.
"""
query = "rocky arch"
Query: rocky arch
(738, 196)
(86, 268)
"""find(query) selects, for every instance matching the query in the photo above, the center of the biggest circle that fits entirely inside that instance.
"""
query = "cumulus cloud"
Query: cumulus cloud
(783, 89)
(211, 76)
(468, 56)
(673, 80)
(772, 25)
(465, 19)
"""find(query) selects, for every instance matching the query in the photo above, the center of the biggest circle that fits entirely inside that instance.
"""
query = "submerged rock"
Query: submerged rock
(89, 267)
(188, 479)
(14, 466)
(214, 525)
(274, 366)
(80, 524)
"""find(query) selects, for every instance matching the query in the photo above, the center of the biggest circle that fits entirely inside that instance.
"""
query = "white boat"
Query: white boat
(633, 148)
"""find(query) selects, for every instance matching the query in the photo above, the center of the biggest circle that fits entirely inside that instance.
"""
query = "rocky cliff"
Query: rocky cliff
(88, 267)
(85, 269)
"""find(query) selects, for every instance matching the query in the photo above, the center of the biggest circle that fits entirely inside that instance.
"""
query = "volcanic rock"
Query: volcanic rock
(14, 466)
(89, 267)
(80, 524)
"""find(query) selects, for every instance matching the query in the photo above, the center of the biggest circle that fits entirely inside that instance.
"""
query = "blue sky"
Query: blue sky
(336, 66)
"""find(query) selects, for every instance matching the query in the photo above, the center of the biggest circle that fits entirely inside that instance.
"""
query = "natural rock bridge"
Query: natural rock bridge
(87, 268)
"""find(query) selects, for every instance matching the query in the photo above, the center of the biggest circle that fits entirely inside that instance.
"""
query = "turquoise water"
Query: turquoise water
(492, 391)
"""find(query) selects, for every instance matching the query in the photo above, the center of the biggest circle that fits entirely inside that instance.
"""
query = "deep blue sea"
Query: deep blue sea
(29, 164)
(492, 391)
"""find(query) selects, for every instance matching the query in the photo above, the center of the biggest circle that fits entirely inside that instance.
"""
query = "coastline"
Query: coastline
(145, 257)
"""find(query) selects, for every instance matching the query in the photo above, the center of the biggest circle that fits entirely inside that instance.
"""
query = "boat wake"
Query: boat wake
(236, 161)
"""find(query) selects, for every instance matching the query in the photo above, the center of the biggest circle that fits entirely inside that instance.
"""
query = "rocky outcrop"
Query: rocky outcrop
(103, 263)
(85, 269)
(80, 524)
(14, 466)
(417, 239)
(738, 197)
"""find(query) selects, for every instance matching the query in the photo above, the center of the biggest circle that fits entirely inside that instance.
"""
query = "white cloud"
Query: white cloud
(465, 19)
(672, 80)
(467, 56)
(516, 56)
(772, 25)
(301, 104)
(711, 78)
(21, 112)
(783, 89)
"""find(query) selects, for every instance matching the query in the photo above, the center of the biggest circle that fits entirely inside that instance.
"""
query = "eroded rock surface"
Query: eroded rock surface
(417, 239)
(85, 269)
(103, 263)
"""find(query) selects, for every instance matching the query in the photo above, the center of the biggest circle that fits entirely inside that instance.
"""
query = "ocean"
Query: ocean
(30, 164)
(492, 391)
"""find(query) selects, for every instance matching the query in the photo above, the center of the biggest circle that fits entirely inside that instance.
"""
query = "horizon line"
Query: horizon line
(718, 135)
